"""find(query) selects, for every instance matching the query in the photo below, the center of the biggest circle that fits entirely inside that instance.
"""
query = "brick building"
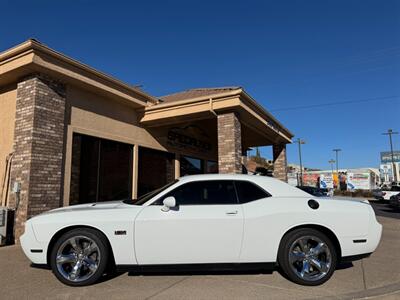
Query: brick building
(70, 134)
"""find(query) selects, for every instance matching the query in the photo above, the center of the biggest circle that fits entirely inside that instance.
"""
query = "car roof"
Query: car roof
(272, 185)
(218, 176)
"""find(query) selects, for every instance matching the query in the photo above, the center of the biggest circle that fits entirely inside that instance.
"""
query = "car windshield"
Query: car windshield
(146, 197)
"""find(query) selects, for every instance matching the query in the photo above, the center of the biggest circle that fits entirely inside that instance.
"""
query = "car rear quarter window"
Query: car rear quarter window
(248, 191)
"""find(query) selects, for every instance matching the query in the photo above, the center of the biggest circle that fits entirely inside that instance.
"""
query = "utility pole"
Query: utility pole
(300, 142)
(337, 166)
(390, 132)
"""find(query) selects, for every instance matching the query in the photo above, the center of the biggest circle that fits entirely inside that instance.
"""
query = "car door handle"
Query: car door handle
(231, 213)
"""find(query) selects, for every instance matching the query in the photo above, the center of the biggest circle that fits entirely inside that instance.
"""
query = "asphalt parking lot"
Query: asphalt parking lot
(377, 277)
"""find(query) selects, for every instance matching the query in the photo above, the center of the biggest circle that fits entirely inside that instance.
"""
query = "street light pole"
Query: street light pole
(390, 132)
(300, 142)
(331, 161)
(337, 166)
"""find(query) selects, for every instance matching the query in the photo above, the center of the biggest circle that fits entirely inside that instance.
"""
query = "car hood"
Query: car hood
(85, 207)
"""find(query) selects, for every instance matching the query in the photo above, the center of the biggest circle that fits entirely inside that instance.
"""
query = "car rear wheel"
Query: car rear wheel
(79, 257)
(307, 256)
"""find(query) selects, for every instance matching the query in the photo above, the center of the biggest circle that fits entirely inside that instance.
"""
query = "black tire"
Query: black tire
(289, 269)
(102, 251)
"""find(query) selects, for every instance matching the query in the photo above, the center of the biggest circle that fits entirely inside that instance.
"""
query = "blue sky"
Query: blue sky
(286, 54)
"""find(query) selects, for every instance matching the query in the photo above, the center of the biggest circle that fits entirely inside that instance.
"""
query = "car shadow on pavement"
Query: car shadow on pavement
(390, 210)
(106, 276)
(162, 272)
(110, 276)
(340, 266)
(165, 271)
(344, 265)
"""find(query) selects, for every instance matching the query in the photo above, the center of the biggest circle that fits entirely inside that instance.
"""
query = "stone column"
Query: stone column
(38, 147)
(229, 144)
(280, 162)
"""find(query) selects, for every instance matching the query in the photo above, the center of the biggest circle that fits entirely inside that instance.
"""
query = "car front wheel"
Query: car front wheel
(307, 256)
(79, 257)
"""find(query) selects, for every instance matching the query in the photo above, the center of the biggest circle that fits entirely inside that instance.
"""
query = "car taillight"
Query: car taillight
(383, 193)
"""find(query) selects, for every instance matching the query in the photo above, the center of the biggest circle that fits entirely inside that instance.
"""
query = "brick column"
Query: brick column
(280, 162)
(38, 147)
(229, 144)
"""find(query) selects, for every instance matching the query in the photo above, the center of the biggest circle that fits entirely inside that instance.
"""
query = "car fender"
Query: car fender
(119, 231)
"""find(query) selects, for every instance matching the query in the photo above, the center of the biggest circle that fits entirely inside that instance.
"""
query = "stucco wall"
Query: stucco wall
(8, 96)
(106, 117)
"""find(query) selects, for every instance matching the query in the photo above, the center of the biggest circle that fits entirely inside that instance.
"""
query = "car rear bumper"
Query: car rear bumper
(354, 246)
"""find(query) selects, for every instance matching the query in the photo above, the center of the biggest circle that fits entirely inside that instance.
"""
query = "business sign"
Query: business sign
(293, 179)
(189, 137)
(358, 181)
(386, 169)
(386, 157)
(326, 181)
(310, 179)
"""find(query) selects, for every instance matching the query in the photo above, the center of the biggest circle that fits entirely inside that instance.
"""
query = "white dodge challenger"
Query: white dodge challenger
(209, 222)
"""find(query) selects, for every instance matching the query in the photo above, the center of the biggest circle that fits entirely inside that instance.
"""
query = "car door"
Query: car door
(205, 227)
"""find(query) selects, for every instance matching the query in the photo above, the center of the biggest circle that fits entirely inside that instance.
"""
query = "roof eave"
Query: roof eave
(267, 114)
(38, 48)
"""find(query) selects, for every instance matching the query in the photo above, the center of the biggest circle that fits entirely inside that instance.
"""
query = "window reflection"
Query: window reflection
(191, 166)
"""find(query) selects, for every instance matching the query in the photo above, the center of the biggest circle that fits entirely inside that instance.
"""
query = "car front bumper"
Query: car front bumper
(34, 250)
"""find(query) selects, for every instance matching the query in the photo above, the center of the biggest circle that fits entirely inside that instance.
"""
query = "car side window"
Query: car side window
(211, 192)
(248, 191)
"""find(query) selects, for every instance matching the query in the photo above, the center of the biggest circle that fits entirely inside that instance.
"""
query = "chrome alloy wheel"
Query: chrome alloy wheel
(310, 258)
(78, 258)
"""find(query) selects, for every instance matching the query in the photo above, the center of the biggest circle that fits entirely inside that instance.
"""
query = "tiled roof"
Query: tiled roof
(200, 92)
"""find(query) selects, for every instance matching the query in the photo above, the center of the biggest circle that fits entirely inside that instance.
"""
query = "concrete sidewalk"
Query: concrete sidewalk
(374, 277)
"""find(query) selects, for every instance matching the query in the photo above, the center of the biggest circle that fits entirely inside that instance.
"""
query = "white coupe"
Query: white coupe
(205, 221)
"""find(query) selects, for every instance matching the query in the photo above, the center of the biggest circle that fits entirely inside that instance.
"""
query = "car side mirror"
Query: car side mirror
(169, 203)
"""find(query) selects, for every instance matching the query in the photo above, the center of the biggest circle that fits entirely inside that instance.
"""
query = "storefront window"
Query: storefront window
(191, 166)
(100, 170)
(211, 167)
(156, 169)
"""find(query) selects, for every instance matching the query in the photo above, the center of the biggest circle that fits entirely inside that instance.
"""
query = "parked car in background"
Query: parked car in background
(324, 191)
(377, 194)
(314, 190)
(394, 202)
(386, 193)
